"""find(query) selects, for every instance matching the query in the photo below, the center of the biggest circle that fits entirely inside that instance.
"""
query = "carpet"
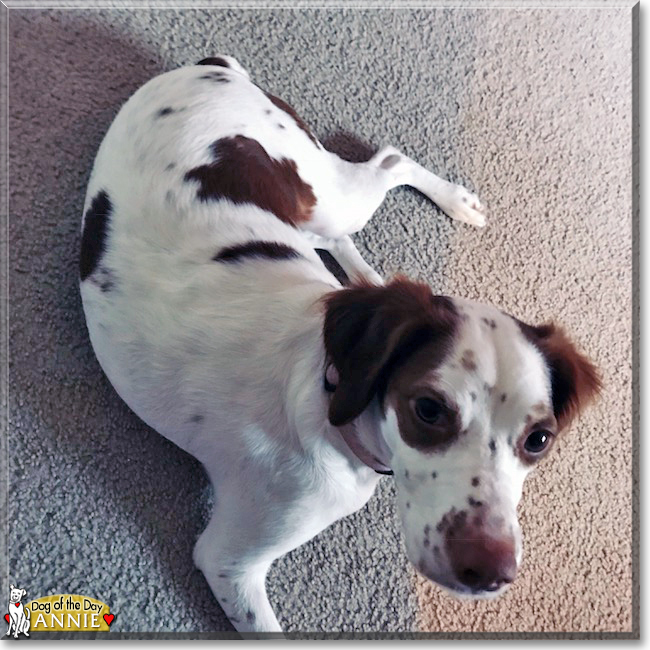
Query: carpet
(530, 108)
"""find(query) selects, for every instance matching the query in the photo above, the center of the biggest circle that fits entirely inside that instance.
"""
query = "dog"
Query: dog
(220, 326)
(19, 615)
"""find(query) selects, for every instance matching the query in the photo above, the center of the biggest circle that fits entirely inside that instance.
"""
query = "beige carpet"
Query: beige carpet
(530, 108)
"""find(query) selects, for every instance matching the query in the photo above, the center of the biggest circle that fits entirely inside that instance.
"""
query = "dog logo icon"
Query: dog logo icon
(18, 616)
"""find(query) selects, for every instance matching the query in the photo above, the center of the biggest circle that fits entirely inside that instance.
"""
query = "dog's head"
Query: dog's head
(15, 595)
(462, 401)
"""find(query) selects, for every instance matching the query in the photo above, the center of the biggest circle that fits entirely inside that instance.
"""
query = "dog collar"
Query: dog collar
(349, 434)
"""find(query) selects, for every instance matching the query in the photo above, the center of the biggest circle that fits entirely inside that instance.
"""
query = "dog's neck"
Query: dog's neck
(306, 392)
(364, 447)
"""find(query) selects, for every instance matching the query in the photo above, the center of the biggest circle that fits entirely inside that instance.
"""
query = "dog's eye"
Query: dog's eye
(428, 410)
(537, 441)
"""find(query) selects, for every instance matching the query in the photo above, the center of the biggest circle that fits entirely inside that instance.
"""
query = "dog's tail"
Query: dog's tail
(27, 612)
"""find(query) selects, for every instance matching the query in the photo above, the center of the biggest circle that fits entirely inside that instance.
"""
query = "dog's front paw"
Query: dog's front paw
(465, 206)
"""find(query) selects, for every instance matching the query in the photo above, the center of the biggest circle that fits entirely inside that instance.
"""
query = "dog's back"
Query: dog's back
(161, 310)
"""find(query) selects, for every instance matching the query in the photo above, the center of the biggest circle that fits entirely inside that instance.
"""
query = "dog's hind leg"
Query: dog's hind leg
(350, 194)
(454, 200)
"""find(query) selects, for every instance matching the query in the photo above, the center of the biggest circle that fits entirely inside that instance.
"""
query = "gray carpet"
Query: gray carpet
(531, 109)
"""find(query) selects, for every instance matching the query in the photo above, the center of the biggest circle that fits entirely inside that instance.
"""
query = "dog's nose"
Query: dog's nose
(480, 561)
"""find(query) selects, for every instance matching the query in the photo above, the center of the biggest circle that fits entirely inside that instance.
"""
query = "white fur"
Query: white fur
(227, 360)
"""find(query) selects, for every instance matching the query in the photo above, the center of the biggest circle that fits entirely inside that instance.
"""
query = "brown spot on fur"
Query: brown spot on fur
(575, 381)
(434, 474)
(489, 322)
(390, 161)
(474, 502)
(283, 106)
(503, 397)
(257, 250)
(476, 481)
(95, 234)
(473, 396)
(381, 336)
(540, 408)
(468, 360)
(450, 519)
(216, 76)
(214, 60)
(243, 172)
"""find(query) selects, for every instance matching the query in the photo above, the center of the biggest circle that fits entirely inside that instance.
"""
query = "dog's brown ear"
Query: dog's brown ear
(575, 381)
(369, 331)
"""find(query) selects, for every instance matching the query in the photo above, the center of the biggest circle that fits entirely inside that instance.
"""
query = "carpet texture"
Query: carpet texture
(532, 109)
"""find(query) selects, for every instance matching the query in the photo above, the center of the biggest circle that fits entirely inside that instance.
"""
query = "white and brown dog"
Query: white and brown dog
(219, 325)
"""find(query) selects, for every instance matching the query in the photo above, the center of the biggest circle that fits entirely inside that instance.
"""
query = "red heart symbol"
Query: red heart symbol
(17, 604)
(109, 618)
(7, 618)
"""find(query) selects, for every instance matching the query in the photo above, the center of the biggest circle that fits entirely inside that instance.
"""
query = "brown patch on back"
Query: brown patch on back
(243, 172)
(283, 106)
(371, 332)
(256, 250)
(214, 60)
